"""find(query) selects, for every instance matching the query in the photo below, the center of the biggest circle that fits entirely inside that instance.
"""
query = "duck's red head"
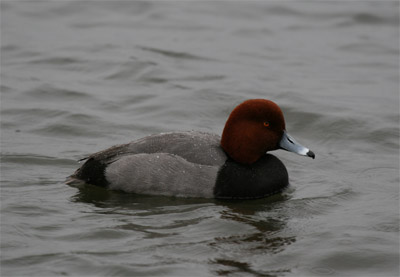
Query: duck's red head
(255, 127)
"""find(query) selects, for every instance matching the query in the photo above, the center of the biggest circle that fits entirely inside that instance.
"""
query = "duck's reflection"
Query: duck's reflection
(260, 224)
(268, 217)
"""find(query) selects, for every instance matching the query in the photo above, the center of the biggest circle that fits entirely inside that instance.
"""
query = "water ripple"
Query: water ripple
(130, 69)
(34, 159)
(176, 55)
(50, 92)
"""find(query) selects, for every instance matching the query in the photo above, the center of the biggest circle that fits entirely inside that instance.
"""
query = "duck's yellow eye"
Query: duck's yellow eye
(266, 124)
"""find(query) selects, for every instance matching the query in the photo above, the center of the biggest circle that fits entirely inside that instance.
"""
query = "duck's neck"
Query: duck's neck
(238, 147)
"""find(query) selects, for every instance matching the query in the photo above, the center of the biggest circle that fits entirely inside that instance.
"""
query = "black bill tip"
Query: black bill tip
(311, 154)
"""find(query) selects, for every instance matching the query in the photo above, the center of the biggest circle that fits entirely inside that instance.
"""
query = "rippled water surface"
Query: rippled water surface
(80, 76)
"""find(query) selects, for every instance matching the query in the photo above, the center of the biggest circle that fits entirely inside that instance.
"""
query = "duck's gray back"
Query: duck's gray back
(158, 164)
(195, 147)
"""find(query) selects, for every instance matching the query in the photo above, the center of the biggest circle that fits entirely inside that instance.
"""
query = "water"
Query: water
(80, 76)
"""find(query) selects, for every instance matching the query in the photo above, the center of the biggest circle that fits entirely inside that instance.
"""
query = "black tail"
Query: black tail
(91, 172)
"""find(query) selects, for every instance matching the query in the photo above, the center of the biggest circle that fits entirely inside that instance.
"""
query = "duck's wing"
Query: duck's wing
(195, 147)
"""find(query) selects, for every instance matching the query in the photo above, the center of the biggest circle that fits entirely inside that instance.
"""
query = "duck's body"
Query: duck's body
(197, 164)
(189, 164)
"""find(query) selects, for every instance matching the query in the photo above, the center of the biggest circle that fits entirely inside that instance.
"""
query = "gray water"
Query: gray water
(80, 76)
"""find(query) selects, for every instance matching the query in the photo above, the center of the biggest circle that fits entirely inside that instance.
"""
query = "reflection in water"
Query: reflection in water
(234, 267)
(266, 238)
(252, 231)
(103, 198)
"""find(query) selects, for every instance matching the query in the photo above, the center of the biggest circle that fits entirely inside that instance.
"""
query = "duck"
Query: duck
(236, 165)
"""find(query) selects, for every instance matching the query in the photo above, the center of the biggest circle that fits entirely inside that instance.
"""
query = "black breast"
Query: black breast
(265, 177)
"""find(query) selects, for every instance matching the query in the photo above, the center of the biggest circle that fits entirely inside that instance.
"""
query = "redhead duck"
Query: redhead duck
(199, 164)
